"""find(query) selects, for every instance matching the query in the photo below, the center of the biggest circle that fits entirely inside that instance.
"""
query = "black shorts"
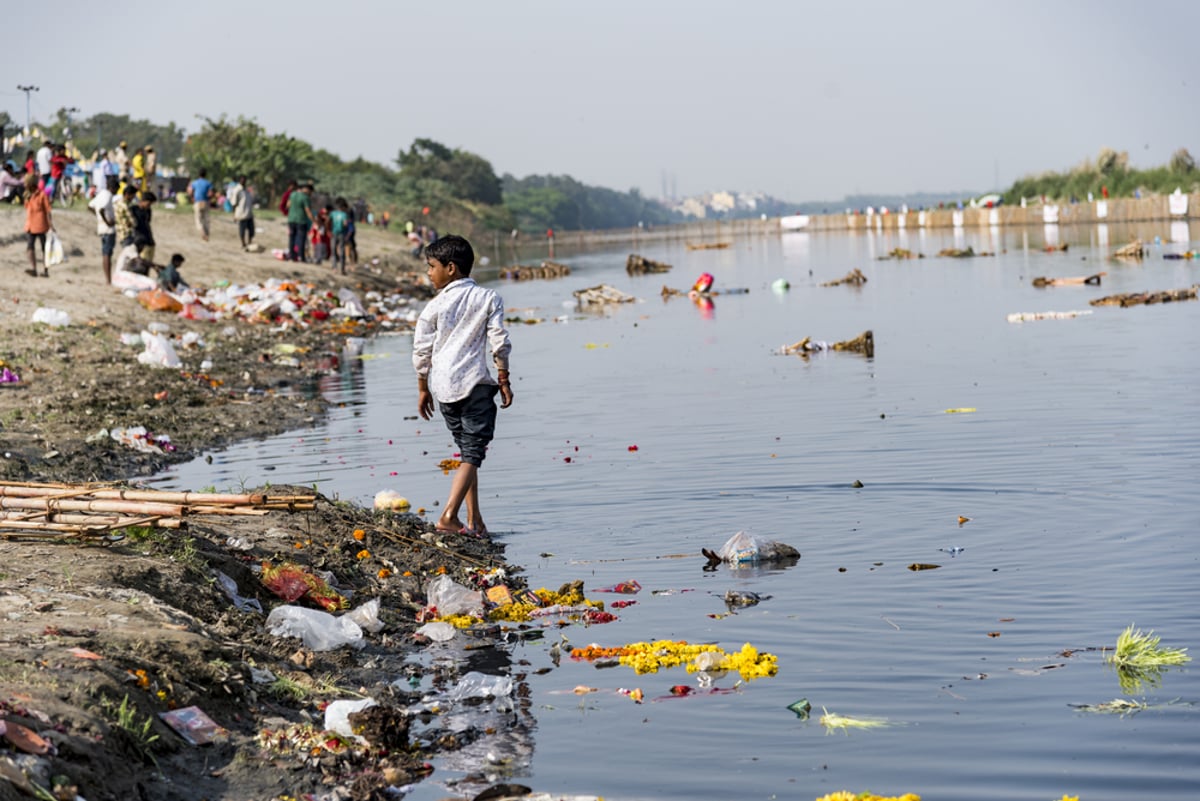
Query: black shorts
(108, 243)
(246, 227)
(472, 422)
(31, 238)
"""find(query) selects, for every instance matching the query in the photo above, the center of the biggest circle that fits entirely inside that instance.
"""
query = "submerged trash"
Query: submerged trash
(601, 294)
(1024, 317)
(1146, 298)
(744, 598)
(639, 265)
(1093, 280)
(630, 587)
(864, 343)
(801, 708)
(1119, 706)
(854, 278)
(744, 548)
(831, 721)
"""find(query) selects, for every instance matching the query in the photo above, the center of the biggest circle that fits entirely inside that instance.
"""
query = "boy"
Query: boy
(169, 278)
(449, 354)
(339, 222)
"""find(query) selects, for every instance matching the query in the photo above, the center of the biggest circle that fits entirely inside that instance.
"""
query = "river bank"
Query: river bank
(101, 638)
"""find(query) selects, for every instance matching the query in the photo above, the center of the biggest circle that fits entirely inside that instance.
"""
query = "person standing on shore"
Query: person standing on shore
(339, 222)
(143, 236)
(242, 200)
(123, 215)
(38, 221)
(450, 356)
(300, 219)
(106, 224)
(122, 159)
(138, 166)
(44, 155)
(199, 191)
(151, 165)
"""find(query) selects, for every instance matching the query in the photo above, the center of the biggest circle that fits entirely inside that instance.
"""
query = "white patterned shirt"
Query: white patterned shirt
(449, 343)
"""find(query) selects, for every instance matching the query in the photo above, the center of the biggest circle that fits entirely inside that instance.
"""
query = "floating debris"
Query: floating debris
(640, 265)
(601, 294)
(831, 721)
(864, 343)
(854, 278)
(1147, 298)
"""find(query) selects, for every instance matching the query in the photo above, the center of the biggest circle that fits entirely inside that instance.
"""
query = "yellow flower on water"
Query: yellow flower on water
(845, 795)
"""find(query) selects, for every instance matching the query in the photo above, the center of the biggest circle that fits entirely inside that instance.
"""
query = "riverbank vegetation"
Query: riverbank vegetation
(1109, 175)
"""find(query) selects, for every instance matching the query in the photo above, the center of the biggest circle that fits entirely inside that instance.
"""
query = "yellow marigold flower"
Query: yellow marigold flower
(359, 534)
(363, 554)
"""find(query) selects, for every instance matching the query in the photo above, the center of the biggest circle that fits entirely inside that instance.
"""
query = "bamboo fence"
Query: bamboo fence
(94, 511)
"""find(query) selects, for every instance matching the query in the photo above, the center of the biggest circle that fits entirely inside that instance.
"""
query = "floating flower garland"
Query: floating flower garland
(649, 657)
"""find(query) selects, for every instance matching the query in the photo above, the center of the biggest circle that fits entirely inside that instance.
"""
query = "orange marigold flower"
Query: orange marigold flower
(384, 572)
(363, 554)
(359, 534)
(441, 571)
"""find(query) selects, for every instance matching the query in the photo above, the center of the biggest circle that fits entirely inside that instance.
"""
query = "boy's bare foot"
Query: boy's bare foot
(479, 528)
(451, 526)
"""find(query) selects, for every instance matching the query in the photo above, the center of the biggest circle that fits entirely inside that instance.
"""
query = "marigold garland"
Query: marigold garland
(845, 795)
(649, 657)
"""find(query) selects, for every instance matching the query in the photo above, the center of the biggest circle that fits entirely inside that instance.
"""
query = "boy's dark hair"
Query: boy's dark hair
(177, 259)
(341, 204)
(149, 197)
(203, 173)
(452, 249)
(130, 190)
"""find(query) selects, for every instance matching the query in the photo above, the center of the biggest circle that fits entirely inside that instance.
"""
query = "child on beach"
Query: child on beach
(449, 354)
(38, 221)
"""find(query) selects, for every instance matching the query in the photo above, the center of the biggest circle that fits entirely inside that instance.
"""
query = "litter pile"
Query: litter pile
(640, 265)
(60, 511)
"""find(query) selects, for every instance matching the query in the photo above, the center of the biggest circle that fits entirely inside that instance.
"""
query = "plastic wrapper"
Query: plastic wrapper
(159, 351)
(366, 615)
(437, 631)
(55, 318)
(480, 685)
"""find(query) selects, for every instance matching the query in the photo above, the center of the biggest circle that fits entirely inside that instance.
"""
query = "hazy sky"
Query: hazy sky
(802, 100)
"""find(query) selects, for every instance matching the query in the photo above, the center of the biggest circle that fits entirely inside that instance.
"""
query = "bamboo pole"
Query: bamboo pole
(107, 521)
(162, 509)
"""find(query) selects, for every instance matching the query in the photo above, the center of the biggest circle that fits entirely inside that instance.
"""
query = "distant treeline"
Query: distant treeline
(1109, 173)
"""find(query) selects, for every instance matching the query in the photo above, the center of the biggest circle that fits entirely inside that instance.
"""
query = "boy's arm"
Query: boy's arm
(423, 335)
(501, 347)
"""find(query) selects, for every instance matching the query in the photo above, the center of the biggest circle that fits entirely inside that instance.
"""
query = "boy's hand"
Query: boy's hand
(425, 404)
(506, 396)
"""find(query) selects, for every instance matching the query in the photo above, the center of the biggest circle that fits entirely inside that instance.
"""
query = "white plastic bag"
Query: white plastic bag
(480, 685)
(54, 249)
(159, 351)
(367, 616)
(450, 598)
(337, 715)
(319, 630)
(742, 548)
(56, 318)
(437, 631)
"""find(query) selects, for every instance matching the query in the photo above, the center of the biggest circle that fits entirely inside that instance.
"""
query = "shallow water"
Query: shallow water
(1076, 469)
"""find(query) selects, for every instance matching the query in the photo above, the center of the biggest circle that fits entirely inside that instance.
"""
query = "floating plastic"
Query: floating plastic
(630, 587)
(437, 631)
(480, 685)
(451, 598)
(743, 548)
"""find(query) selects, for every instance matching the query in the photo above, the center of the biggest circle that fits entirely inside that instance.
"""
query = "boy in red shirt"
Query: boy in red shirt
(37, 222)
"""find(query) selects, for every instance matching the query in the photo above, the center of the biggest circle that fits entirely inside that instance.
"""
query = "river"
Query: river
(656, 428)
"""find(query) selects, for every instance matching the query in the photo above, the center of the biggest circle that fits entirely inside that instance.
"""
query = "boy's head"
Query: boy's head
(203, 173)
(176, 260)
(452, 249)
(130, 191)
(147, 198)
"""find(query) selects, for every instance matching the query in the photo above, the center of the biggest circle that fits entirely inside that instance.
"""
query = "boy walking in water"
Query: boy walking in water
(450, 356)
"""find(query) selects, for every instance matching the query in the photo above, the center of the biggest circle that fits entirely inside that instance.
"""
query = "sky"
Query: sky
(804, 101)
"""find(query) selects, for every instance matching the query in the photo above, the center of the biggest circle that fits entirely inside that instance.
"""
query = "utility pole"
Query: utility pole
(67, 130)
(27, 90)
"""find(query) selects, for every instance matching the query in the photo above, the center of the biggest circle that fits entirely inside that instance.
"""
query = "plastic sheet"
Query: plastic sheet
(744, 548)
(55, 318)
(451, 598)
(320, 631)
(337, 714)
(159, 351)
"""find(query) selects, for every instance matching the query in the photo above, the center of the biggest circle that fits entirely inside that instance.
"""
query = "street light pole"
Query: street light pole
(27, 90)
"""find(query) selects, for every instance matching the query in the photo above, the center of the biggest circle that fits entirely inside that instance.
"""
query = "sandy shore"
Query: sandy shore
(160, 631)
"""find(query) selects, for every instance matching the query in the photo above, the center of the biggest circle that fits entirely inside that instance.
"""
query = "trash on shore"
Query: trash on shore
(853, 278)
(640, 265)
(55, 318)
(291, 582)
(193, 725)
(138, 438)
(864, 343)
(1147, 298)
(743, 548)
(319, 631)
(1025, 317)
(159, 351)
(601, 294)
(337, 714)
(390, 500)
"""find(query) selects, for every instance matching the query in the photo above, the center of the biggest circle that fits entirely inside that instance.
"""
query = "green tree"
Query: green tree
(468, 176)
(230, 148)
(1182, 161)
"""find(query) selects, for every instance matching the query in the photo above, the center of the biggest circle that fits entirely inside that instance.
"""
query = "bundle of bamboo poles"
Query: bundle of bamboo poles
(61, 511)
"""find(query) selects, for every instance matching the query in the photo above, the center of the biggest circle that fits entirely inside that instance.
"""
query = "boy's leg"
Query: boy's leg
(465, 482)
(472, 422)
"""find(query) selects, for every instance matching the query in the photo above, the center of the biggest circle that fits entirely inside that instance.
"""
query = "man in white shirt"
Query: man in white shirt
(242, 200)
(100, 172)
(42, 158)
(106, 223)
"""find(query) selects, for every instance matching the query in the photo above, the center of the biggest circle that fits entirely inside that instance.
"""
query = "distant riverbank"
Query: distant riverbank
(1114, 210)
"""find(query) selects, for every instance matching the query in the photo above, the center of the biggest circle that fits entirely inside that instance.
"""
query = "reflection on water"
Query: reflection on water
(1075, 469)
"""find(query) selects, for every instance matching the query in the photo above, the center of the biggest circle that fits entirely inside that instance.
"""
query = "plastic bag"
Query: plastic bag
(159, 300)
(367, 616)
(56, 318)
(450, 598)
(480, 685)
(437, 631)
(54, 249)
(159, 351)
(319, 630)
(231, 589)
(337, 715)
(742, 548)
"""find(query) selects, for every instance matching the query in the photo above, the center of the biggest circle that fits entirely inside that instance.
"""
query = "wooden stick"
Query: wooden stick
(49, 504)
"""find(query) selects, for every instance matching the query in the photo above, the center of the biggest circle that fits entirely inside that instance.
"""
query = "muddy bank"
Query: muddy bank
(100, 639)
